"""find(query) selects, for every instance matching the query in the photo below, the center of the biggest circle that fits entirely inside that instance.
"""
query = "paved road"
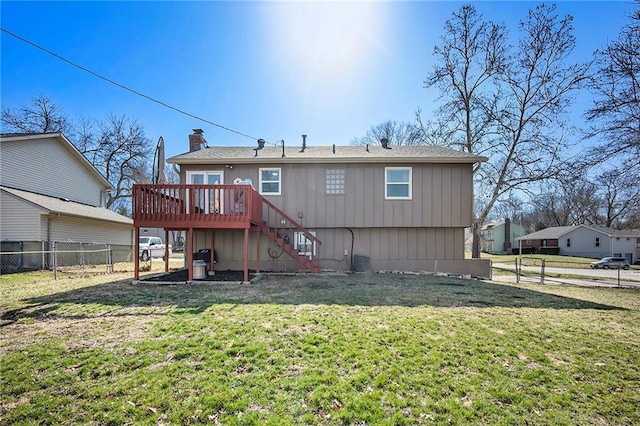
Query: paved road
(590, 277)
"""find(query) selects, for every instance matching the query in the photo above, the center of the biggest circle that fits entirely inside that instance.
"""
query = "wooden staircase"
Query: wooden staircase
(290, 236)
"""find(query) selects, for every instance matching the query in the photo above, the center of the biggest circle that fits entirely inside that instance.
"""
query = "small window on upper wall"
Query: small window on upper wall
(270, 181)
(397, 183)
(334, 181)
(568, 242)
(597, 241)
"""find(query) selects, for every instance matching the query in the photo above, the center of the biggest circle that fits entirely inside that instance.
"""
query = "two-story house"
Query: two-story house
(329, 207)
(50, 192)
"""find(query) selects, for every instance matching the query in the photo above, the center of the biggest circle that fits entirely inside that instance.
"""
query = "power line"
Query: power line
(125, 87)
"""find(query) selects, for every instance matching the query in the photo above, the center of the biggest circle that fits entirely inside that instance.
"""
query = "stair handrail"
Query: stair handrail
(299, 228)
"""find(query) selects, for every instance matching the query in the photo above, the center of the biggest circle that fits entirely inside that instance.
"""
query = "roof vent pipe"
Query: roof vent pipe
(385, 143)
(367, 148)
(304, 143)
(334, 148)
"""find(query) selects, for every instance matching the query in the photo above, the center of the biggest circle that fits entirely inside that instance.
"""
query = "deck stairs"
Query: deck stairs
(300, 243)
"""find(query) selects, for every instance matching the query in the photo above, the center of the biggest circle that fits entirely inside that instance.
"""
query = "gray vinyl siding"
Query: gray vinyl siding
(583, 244)
(21, 221)
(442, 195)
(89, 231)
(47, 167)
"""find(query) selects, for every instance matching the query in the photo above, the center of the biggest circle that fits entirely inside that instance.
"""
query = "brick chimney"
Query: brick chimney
(196, 140)
(507, 235)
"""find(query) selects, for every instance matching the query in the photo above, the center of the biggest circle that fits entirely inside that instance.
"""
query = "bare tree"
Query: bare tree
(116, 146)
(121, 151)
(620, 198)
(397, 133)
(615, 116)
(506, 103)
(41, 116)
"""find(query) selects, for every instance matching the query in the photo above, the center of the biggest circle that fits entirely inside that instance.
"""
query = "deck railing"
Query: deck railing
(199, 203)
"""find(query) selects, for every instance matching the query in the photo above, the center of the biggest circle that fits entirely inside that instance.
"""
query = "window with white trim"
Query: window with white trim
(334, 181)
(304, 244)
(397, 183)
(270, 181)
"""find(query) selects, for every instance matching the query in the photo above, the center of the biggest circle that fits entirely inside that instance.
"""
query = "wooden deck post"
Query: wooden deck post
(245, 254)
(166, 250)
(136, 253)
(258, 251)
(190, 254)
(212, 260)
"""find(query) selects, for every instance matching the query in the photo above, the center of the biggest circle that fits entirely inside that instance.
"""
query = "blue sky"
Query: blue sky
(272, 70)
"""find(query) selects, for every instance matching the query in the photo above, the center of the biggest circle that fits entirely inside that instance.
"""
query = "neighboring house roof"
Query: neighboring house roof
(68, 208)
(326, 154)
(555, 232)
(26, 137)
(492, 225)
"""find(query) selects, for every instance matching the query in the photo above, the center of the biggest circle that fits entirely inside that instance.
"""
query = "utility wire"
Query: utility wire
(125, 87)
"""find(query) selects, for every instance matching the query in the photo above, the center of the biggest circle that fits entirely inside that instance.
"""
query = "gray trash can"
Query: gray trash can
(199, 269)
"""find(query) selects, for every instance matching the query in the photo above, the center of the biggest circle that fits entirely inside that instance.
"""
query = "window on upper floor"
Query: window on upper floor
(597, 241)
(334, 181)
(568, 242)
(397, 183)
(270, 181)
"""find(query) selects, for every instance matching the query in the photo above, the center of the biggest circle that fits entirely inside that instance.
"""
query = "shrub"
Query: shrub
(550, 250)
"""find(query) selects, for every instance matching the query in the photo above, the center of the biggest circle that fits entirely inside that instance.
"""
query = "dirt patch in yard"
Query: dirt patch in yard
(182, 275)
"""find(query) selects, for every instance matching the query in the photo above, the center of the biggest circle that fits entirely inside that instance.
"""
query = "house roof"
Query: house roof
(552, 232)
(61, 138)
(68, 208)
(555, 232)
(326, 154)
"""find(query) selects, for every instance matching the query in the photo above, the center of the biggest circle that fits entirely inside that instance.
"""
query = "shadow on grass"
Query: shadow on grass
(350, 290)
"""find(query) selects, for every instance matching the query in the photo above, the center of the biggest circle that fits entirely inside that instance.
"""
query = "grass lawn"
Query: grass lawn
(360, 349)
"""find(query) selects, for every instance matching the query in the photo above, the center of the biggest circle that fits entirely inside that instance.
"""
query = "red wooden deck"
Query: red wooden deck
(196, 206)
(190, 207)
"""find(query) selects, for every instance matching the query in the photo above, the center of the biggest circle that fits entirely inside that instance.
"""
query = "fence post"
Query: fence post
(109, 259)
(82, 258)
(517, 271)
(43, 253)
(542, 272)
(55, 261)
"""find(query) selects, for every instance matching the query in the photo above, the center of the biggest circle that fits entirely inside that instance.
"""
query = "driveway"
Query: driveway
(590, 277)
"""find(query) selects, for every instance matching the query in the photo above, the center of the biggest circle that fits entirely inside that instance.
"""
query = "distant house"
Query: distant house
(584, 241)
(500, 237)
(319, 207)
(50, 192)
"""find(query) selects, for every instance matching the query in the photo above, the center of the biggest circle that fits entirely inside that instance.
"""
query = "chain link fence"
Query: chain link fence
(66, 258)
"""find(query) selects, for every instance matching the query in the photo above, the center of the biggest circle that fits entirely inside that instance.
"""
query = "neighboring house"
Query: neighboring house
(584, 241)
(500, 237)
(50, 192)
(330, 207)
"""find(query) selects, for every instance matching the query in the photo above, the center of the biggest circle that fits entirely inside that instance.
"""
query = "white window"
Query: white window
(397, 183)
(207, 200)
(270, 181)
(303, 244)
(334, 181)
